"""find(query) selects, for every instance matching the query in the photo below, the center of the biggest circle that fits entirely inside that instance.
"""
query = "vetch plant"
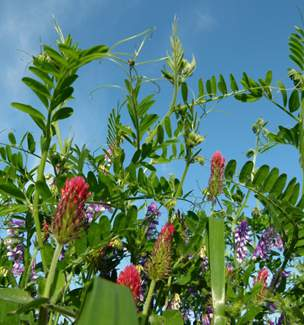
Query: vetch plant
(83, 237)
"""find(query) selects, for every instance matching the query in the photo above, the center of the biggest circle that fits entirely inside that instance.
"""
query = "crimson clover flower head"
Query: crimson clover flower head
(262, 279)
(216, 176)
(70, 215)
(159, 265)
(167, 231)
(130, 278)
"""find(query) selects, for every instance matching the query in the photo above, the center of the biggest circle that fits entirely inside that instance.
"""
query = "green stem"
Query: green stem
(40, 177)
(180, 186)
(168, 288)
(51, 274)
(149, 297)
(217, 267)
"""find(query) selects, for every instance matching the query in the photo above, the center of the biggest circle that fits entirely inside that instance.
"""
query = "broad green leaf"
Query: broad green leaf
(60, 96)
(230, 169)
(217, 267)
(222, 85)
(279, 185)
(62, 113)
(36, 86)
(11, 138)
(246, 171)
(147, 122)
(213, 86)
(283, 92)
(11, 189)
(107, 303)
(12, 208)
(260, 175)
(201, 91)
(160, 134)
(42, 75)
(15, 295)
(5, 309)
(33, 112)
(172, 317)
(233, 84)
(31, 145)
(168, 128)
(294, 101)
(184, 89)
(270, 180)
(268, 77)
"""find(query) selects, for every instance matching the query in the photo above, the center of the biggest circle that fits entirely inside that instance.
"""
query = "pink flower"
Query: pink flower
(262, 279)
(217, 175)
(262, 276)
(70, 214)
(130, 278)
(167, 231)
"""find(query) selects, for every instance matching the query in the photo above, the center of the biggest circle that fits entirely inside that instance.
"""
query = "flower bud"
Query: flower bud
(217, 175)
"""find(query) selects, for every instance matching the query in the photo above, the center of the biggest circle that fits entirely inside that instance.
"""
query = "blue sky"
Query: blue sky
(224, 36)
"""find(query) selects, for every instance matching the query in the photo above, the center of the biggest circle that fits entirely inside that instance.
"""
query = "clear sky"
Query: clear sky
(224, 36)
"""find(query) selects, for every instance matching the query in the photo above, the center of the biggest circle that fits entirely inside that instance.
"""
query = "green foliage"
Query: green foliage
(107, 303)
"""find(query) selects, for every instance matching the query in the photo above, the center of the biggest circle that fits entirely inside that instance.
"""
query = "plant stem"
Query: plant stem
(51, 274)
(180, 186)
(149, 297)
(217, 267)
(40, 177)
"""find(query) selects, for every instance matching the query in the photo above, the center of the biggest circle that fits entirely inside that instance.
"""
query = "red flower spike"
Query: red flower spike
(262, 279)
(70, 215)
(167, 231)
(262, 276)
(130, 278)
(217, 175)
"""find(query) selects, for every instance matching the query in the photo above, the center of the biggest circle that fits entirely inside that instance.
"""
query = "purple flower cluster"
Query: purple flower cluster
(94, 208)
(14, 245)
(207, 317)
(269, 240)
(241, 238)
(151, 219)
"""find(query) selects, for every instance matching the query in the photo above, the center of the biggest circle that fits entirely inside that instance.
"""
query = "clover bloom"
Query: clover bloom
(70, 215)
(262, 279)
(130, 278)
(159, 265)
(217, 174)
